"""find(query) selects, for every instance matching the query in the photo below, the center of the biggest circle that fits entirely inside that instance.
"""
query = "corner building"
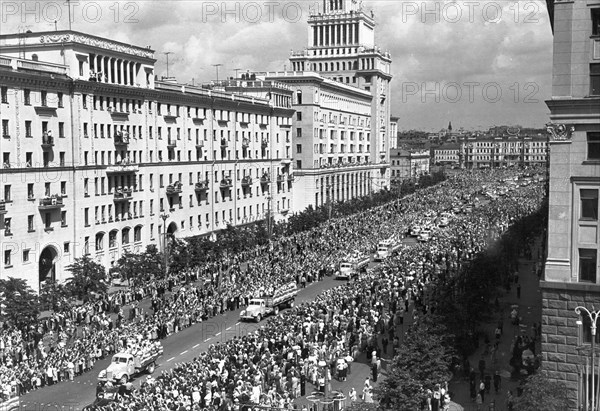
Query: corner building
(341, 48)
(98, 157)
(572, 258)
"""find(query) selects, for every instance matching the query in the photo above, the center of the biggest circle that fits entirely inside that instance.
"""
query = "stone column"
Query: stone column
(126, 64)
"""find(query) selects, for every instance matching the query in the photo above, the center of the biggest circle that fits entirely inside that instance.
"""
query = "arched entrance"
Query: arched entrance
(47, 265)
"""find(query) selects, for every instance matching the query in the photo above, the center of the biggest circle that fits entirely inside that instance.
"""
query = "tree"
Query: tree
(21, 304)
(542, 393)
(87, 276)
(423, 360)
(53, 295)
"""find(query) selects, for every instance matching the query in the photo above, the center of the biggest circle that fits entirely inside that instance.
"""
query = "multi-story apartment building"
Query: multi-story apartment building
(331, 139)
(98, 157)
(409, 163)
(572, 261)
(341, 47)
(494, 152)
(448, 154)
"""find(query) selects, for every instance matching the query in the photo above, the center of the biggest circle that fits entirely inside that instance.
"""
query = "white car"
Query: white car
(424, 236)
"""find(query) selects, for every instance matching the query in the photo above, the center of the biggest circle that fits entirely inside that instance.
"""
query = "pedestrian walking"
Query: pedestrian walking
(497, 381)
(352, 395)
(482, 390)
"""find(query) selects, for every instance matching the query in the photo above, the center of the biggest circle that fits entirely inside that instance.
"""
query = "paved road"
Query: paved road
(180, 347)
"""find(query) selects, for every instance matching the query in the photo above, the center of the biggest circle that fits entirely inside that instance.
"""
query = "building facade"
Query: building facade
(341, 47)
(409, 163)
(572, 258)
(99, 158)
(494, 152)
(448, 154)
(332, 142)
(394, 132)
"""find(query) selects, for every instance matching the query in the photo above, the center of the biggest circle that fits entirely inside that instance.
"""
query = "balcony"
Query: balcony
(246, 181)
(245, 143)
(51, 203)
(122, 167)
(201, 186)
(224, 143)
(47, 141)
(200, 144)
(123, 195)
(286, 161)
(170, 117)
(171, 144)
(290, 178)
(2, 207)
(118, 114)
(226, 183)
(121, 139)
(265, 179)
(174, 188)
(280, 178)
(265, 143)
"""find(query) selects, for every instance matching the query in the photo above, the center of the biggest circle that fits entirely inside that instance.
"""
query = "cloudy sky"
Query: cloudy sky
(475, 63)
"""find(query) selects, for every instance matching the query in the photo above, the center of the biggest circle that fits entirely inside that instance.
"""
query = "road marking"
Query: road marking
(183, 352)
(227, 329)
(171, 359)
(219, 333)
(196, 346)
(237, 323)
(206, 339)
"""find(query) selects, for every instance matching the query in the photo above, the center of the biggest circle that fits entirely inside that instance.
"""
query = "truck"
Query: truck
(270, 303)
(386, 248)
(131, 362)
(351, 266)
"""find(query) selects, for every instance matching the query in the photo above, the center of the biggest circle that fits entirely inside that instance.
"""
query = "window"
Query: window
(5, 129)
(299, 148)
(63, 218)
(28, 129)
(30, 223)
(27, 97)
(589, 204)
(298, 132)
(596, 21)
(99, 241)
(25, 256)
(63, 188)
(299, 116)
(125, 236)
(61, 130)
(4, 94)
(86, 217)
(593, 146)
(86, 245)
(84, 101)
(7, 193)
(44, 98)
(7, 259)
(112, 239)
(587, 265)
(30, 194)
(59, 96)
(66, 247)
(137, 234)
(595, 79)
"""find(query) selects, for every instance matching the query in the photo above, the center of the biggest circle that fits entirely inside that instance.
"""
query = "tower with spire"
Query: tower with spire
(341, 47)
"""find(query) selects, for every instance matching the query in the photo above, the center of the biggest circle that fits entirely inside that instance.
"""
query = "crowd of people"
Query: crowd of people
(311, 343)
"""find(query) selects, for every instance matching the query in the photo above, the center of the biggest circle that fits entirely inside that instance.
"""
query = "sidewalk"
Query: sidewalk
(530, 311)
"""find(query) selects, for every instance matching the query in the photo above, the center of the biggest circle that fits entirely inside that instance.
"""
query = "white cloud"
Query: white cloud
(507, 43)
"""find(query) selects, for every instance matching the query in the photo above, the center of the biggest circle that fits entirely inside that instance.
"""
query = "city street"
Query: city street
(180, 347)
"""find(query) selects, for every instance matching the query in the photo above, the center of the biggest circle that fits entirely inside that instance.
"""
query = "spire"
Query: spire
(450, 126)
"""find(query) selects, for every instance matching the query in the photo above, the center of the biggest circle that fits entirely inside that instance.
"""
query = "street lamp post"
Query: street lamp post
(164, 218)
(593, 316)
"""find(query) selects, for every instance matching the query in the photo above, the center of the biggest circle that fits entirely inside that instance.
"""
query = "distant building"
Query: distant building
(448, 154)
(492, 152)
(409, 163)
